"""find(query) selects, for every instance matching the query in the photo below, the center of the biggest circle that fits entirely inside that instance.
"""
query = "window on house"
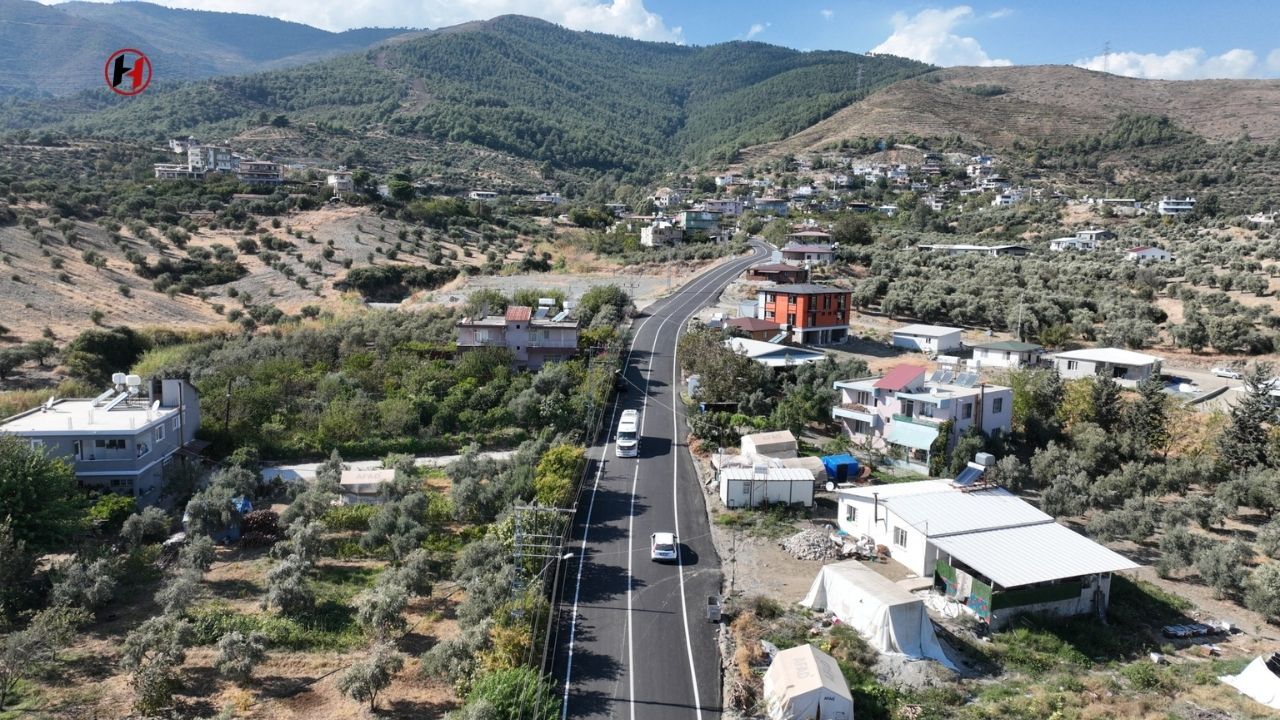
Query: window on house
(109, 443)
(967, 411)
(791, 299)
(159, 434)
(482, 336)
(76, 449)
(37, 444)
(770, 297)
(1072, 364)
(791, 318)
(176, 425)
(997, 406)
(850, 512)
(899, 537)
(908, 407)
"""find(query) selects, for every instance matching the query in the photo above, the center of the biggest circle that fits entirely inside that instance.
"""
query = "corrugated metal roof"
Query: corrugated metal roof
(519, 313)
(774, 474)
(1035, 553)
(952, 512)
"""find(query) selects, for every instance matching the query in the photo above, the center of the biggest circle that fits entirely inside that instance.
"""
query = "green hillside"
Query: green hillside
(58, 50)
(517, 85)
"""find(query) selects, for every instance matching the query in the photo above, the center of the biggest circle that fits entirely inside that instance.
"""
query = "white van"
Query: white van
(627, 443)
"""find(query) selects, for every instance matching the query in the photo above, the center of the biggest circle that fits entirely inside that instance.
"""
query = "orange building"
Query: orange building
(811, 314)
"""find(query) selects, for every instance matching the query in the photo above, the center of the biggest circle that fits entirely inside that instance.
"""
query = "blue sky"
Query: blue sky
(1176, 39)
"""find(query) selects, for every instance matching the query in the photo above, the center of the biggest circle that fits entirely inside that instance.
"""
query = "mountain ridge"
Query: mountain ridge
(182, 44)
(998, 106)
(517, 85)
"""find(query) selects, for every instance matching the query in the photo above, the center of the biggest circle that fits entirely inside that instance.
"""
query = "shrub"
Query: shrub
(350, 518)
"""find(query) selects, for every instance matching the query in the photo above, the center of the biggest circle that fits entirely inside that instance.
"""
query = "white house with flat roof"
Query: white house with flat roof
(120, 441)
(1176, 206)
(1007, 354)
(927, 338)
(995, 554)
(1124, 366)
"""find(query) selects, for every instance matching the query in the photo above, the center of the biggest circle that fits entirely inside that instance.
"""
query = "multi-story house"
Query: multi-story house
(259, 172)
(698, 221)
(811, 314)
(807, 253)
(533, 341)
(120, 441)
(771, 206)
(1174, 206)
(730, 207)
(210, 158)
(901, 412)
(661, 233)
(341, 182)
(176, 171)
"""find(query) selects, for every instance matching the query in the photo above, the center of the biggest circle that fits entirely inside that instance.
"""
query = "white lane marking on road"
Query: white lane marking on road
(582, 551)
(713, 277)
(631, 521)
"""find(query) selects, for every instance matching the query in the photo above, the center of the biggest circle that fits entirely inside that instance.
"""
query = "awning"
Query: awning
(911, 435)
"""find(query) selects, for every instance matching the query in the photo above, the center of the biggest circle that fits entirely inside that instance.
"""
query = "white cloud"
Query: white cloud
(1001, 13)
(629, 18)
(1186, 64)
(928, 36)
(827, 13)
(756, 29)
(1273, 61)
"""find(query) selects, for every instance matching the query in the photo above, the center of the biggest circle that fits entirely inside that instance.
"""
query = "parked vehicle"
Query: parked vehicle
(1226, 372)
(662, 546)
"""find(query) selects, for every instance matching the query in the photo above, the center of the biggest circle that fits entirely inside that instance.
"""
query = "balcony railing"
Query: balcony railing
(919, 419)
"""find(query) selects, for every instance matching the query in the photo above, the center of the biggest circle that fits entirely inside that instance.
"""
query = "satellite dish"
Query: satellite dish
(155, 405)
(48, 404)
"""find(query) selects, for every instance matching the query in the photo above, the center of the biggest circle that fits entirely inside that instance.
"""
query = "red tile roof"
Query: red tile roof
(519, 313)
(899, 377)
(751, 324)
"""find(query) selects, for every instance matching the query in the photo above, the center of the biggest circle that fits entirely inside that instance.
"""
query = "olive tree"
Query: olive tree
(33, 650)
(85, 583)
(239, 653)
(370, 676)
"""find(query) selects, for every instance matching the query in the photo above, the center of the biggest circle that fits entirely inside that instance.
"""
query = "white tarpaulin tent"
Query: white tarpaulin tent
(1259, 681)
(804, 683)
(890, 618)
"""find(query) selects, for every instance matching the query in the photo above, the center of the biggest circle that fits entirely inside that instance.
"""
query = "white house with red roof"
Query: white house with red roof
(533, 340)
(1146, 253)
(901, 412)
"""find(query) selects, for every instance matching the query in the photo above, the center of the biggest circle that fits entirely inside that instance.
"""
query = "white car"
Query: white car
(1226, 372)
(662, 546)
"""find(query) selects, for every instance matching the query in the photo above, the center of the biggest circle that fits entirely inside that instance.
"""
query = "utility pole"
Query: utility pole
(1020, 317)
(226, 413)
(1106, 56)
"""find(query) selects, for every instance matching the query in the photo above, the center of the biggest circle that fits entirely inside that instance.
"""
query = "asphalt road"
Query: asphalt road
(634, 641)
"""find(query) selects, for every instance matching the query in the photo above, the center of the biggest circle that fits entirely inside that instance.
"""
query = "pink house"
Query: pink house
(532, 340)
(901, 411)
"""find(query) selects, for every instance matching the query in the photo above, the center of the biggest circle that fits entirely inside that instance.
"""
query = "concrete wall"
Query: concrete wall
(918, 555)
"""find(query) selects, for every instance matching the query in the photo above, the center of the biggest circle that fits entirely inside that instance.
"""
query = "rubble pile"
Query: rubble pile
(810, 545)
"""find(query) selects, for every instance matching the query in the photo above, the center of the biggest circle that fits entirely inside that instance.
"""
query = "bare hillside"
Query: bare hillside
(1042, 102)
